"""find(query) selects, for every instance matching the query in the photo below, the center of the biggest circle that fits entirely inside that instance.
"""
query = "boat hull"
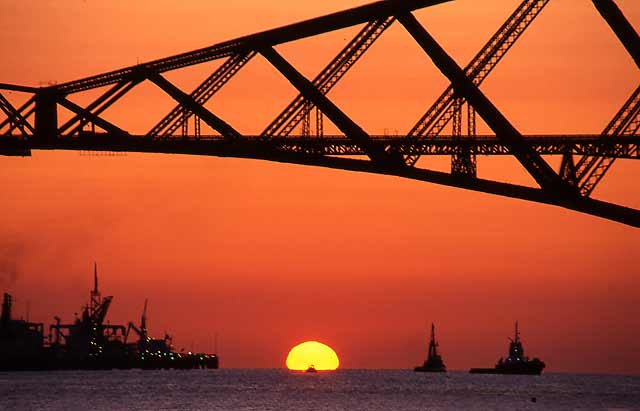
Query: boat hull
(519, 369)
(428, 369)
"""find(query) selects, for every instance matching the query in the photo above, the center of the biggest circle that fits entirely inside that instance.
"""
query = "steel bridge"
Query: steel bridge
(297, 135)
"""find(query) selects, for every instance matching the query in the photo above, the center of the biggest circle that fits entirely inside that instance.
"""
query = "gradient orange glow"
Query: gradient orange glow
(312, 354)
(266, 253)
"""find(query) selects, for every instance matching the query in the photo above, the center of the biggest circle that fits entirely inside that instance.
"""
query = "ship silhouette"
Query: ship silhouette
(433, 363)
(516, 362)
(89, 342)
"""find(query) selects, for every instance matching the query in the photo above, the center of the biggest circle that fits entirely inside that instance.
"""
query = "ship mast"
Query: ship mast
(515, 347)
(95, 294)
(143, 321)
(433, 351)
(6, 310)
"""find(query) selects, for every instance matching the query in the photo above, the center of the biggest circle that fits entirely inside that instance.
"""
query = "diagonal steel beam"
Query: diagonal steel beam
(92, 106)
(620, 26)
(99, 110)
(18, 120)
(97, 120)
(273, 37)
(532, 162)
(21, 109)
(339, 118)
(589, 170)
(618, 126)
(441, 112)
(210, 86)
(291, 116)
(189, 103)
(9, 111)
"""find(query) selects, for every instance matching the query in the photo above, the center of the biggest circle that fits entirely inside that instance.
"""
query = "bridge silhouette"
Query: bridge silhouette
(585, 158)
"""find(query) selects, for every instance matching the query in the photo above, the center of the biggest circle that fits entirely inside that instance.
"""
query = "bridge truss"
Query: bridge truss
(585, 158)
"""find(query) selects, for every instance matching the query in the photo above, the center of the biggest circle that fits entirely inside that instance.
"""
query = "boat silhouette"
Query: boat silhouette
(516, 362)
(433, 362)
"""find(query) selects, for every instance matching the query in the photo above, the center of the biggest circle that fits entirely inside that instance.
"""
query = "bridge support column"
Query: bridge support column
(46, 121)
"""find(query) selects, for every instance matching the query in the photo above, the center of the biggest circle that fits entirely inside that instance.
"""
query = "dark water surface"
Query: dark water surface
(282, 390)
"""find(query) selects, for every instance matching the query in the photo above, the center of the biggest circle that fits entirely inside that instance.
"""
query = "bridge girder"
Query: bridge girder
(14, 118)
(211, 85)
(265, 150)
(626, 147)
(448, 105)
(385, 157)
(532, 162)
(98, 106)
(339, 118)
(300, 107)
(189, 103)
(268, 38)
(588, 171)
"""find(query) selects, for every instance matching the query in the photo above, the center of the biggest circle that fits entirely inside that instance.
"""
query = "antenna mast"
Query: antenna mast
(143, 320)
(95, 294)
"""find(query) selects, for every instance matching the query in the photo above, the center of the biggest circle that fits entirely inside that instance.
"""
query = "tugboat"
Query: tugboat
(434, 361)
(312, 369)
(516, 362)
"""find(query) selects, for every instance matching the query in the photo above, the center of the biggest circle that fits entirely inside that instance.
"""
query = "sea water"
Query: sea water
(236, 389)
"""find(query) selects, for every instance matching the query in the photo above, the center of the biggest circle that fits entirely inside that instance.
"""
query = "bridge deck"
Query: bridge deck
(626, 147)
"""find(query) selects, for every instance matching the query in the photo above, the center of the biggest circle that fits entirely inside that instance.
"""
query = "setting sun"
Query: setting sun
(312, 354)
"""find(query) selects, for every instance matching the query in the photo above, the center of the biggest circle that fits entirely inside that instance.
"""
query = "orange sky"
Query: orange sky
(269, 255)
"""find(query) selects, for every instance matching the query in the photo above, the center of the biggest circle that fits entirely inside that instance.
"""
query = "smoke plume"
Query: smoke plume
(10, 252)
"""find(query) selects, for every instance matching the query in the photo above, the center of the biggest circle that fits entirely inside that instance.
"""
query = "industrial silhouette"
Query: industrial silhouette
(89, 342)
(516, 362)
(585, 158)
(434, 362)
